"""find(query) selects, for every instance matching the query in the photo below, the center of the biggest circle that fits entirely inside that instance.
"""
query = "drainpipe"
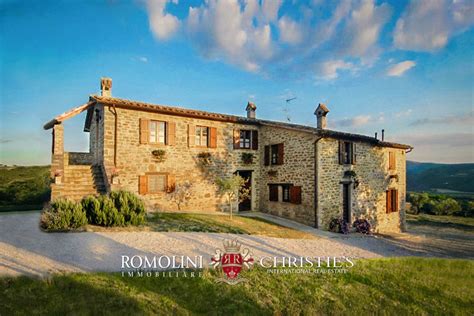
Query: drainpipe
(114, 112)
(316, 179)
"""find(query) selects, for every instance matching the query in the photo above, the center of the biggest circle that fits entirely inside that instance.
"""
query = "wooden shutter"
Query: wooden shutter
(170, 183)
(267, 155)
(170, 133)
(191, 135)
(389, 202)
(212, 137)
(354, 153)
(395, 199)
(144, 131)
(341, 152)
(273, 190)
(142, 185)
(295, 194)
(280, 154)
(236, 138)
(255, 140)
(391, 160)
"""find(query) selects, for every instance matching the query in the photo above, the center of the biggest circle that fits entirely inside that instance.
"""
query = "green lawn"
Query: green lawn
(462, 223)
(398, 286)
(209, 223)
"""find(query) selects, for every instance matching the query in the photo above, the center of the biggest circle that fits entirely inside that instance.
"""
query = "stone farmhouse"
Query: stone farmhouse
(307, 174)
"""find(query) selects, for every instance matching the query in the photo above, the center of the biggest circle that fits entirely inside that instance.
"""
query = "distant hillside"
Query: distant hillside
(434, 177)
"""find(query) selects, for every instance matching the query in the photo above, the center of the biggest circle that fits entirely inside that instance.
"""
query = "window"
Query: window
(245, 139)
(347, 153)
(392, 200)
(391, 161)
(157, 183)
(201, 136)
(286, 192)
(274, 154)
(290, 193)
(273, 192)
(157, 132)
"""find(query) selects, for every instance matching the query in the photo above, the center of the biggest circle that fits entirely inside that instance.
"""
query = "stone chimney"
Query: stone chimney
(251, 107)
(320, 113)
(106, 87)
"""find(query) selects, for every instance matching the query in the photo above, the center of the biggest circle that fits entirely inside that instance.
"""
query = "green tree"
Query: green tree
(418, 200)
(233, 189)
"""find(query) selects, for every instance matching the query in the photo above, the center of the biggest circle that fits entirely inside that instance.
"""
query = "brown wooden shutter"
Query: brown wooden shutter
(255, 140)
(212, 137)
(236, 138)
(295, 194)
(142, 185)
(280, 154)
(341, 152)
(273, 190)
(267, 155)
(144, 131)
(391, 160)
(395, 197)
(170, 183)
(354, 153)
(170, 133)
(389, 202)
(191, 135)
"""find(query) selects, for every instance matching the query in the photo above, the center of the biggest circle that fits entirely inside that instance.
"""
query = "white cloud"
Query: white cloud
(461, 119)
(290, 31)
(270, 9)
(143, 59)
(358, 121)
(223, 29)
(364, 26)
(330, 69)
(448, 147)
(163, 25)
(427, 25)
(399, 69)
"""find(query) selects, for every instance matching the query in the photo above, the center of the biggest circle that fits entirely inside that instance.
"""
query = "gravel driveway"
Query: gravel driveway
(24, 249)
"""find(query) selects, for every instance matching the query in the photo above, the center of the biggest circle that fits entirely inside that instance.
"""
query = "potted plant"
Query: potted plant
(114, 176)
(353, 176)
(58, 176)
(204, 157)
(247, 158)
(272, 173)
(159, 155)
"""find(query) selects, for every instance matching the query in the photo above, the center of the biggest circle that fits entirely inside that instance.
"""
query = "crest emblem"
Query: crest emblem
(232, 261)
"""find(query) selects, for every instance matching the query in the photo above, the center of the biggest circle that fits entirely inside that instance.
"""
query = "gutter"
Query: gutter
(316, 179)
(114, 112)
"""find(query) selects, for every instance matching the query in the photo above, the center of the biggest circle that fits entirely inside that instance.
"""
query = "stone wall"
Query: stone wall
(368, 198)
(297, 169)
(80, 158)
(135, 159)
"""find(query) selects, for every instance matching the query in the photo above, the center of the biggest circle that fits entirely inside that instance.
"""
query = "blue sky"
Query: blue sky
(405, 66)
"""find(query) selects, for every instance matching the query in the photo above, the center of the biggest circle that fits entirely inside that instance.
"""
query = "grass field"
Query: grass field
(462, 223)
(23, 188)
(186, 222)
(398, 286)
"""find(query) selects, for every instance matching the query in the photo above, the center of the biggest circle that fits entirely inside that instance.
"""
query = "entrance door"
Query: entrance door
(246, 205)
(346, 202)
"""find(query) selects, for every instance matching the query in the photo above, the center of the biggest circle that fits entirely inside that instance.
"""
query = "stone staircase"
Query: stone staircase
(79, 181)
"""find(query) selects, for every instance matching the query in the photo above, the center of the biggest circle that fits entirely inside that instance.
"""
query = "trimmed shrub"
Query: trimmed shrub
(362, 226)
(130, 206)
(92, 206)
(63, 215)
(338, 225)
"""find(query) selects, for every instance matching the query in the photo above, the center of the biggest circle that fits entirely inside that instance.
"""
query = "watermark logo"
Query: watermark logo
(232, 261)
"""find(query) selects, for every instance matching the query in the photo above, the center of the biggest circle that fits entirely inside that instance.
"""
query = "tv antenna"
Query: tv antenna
(286, 110)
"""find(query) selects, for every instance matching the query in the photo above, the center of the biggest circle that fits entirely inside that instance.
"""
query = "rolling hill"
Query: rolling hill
(442, 178)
